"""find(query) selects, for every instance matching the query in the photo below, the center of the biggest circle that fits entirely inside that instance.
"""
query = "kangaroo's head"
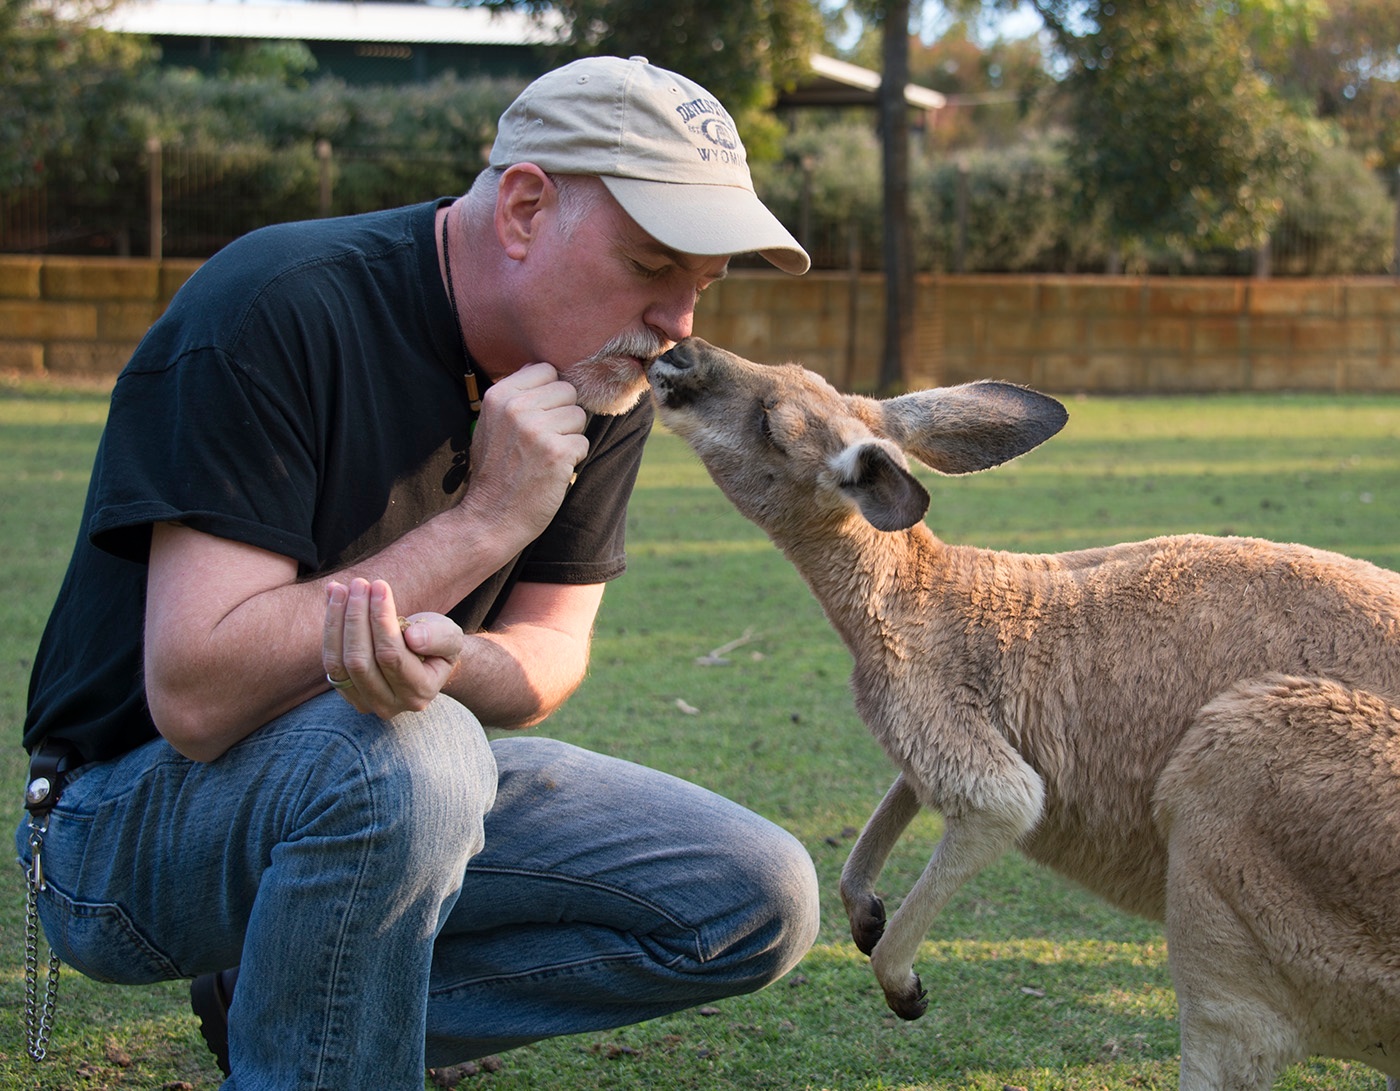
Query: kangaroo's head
(793, 454)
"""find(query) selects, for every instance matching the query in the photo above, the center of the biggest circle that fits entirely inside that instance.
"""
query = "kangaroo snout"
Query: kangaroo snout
(684, 354)
(678, 377)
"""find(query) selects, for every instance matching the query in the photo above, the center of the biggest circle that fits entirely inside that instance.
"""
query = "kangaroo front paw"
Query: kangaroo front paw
(867, 922)
(910, 1002)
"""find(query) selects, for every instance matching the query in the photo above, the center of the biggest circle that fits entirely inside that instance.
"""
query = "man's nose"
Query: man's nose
(674, 318)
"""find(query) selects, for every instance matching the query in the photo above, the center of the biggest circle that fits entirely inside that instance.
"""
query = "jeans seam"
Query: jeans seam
(541, 972)
(594, 884)
(74, 907)
(700, 952)
(338, 949)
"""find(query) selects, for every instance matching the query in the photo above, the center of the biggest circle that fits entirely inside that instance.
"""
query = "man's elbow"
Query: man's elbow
(185, 724)
(537, 703)
(526, 715)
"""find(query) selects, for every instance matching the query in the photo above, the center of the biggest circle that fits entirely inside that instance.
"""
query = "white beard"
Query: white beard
(612, 381)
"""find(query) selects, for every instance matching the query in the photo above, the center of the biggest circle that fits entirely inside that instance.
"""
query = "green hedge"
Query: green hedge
(240, 151)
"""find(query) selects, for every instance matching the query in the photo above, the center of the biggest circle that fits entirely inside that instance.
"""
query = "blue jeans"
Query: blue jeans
(383, 920)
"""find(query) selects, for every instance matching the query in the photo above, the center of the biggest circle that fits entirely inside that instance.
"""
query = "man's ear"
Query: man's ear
(523, 193)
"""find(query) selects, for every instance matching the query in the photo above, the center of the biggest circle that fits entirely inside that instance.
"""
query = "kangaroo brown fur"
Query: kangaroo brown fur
(1201, 730)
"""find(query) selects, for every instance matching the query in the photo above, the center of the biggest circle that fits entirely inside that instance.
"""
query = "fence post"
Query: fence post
(852, 301)
(156, 198)
(323, 157)
(1395, 262)
(960, 195)
(806, 164)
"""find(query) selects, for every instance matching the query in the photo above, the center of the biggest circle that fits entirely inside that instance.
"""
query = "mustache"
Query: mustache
(638, 344)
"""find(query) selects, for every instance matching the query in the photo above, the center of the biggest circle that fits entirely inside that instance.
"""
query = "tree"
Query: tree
(894, 144)
(891, 18)
(1176, 134)
(742, 50)
(998, 92)
(999, 89)
(1345, 67)
(64, 90)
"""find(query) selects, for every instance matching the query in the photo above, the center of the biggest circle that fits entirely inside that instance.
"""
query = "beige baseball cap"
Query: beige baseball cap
(664, 147)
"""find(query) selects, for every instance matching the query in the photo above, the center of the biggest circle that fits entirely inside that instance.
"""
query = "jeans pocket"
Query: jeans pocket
(100, 941)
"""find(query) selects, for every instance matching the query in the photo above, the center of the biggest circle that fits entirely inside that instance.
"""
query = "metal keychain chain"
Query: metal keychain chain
(52, 761)
(38, 1018)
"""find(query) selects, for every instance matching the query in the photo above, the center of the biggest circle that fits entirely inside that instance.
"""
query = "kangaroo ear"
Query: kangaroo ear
(961, 429)
(888, 495)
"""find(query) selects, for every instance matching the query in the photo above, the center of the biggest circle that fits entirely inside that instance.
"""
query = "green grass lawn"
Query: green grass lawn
(1032, 983)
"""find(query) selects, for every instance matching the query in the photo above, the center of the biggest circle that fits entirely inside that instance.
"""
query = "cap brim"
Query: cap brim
(708, 220)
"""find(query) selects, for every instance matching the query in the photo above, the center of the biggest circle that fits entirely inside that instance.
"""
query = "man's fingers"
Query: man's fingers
(387, 631)
(332, 633)
(434, 636)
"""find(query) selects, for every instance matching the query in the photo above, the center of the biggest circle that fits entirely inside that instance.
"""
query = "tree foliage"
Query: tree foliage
(1345, 68)
(998, 93)
(1186, 118)
(1024, 212)
(64, 91)
(1175, 132)
(741, 50)
(78, 106)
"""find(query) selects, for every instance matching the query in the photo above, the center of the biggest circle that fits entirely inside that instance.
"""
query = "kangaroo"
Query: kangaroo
(1201, 730)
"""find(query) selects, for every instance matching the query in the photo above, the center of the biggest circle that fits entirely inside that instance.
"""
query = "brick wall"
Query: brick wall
(80, 316)
(77, 316)
(1076, 333)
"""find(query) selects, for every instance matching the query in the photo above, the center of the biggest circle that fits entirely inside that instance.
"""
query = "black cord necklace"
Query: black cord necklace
(469, 368)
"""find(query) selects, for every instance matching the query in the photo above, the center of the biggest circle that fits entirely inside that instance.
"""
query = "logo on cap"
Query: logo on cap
(719, 132)
(698, 106)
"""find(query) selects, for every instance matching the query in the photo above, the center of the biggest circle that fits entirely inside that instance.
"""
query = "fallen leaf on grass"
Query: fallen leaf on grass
(453, 1075)
(847, 832)
(715, 657)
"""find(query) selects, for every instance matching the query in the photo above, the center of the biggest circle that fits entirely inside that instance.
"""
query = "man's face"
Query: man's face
(613, 300)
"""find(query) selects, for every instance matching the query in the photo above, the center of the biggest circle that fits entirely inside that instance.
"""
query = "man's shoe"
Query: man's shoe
(210, 997)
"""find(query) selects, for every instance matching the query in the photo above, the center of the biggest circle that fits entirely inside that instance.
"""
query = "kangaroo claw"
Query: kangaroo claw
(868, 924)
(911, 1004)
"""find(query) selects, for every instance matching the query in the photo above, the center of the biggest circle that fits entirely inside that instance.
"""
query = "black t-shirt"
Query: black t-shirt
(303, 394)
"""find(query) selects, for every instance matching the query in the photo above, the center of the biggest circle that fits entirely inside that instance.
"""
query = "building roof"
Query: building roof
(328, 21)
(833, 82)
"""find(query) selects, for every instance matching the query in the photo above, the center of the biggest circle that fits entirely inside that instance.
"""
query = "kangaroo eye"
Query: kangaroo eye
(765, 425)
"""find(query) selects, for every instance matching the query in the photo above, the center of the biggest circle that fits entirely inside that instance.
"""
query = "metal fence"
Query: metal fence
(175, 201)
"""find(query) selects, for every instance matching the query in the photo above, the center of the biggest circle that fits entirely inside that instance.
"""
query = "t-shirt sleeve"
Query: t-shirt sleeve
(217, 453)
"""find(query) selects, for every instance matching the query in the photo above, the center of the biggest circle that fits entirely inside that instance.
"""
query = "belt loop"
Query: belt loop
(49, 767)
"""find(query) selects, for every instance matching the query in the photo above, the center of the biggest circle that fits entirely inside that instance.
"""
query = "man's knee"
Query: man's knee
(443, 772)
(785, 892)
(418, 785)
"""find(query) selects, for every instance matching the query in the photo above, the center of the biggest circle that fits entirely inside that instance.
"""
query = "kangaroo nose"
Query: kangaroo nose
(684, 354)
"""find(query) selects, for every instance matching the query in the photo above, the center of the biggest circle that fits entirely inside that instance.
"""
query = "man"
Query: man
(434, 411)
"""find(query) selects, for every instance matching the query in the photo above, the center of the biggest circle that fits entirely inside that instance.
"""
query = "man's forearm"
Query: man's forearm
(516, 676)
(233, 639)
